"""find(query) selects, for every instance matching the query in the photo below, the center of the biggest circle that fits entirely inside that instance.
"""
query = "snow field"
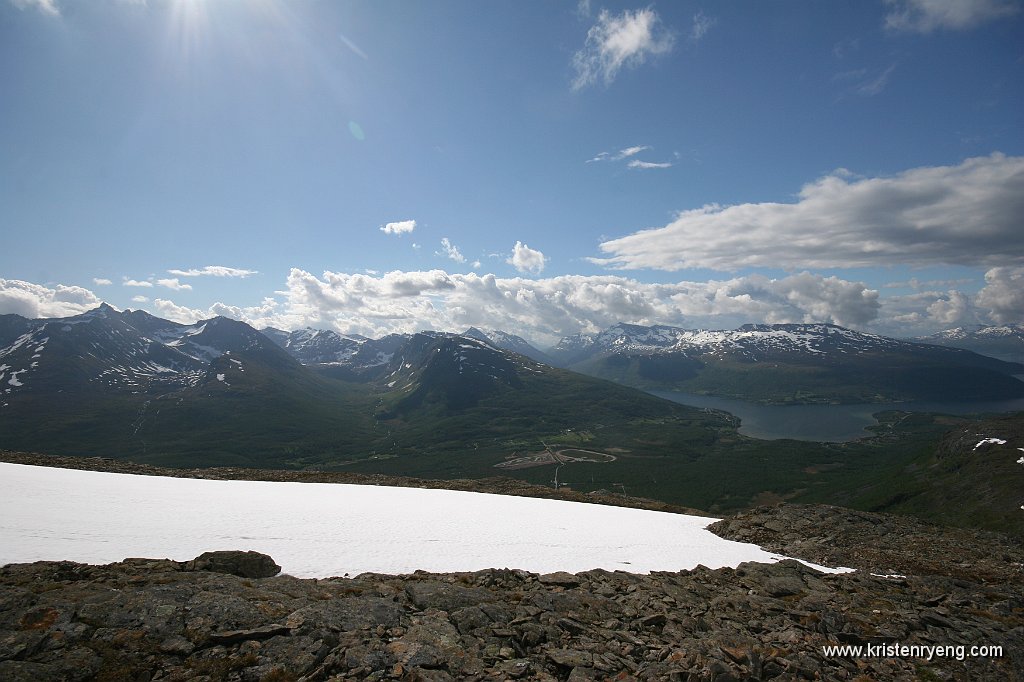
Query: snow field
(316, 530)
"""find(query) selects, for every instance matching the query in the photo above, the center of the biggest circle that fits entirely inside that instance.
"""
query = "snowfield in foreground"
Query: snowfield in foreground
(317, 530)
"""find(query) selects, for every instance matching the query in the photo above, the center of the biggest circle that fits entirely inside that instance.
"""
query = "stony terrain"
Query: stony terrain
(229, 616)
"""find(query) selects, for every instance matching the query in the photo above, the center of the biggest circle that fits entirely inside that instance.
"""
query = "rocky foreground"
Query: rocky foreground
(221, 616)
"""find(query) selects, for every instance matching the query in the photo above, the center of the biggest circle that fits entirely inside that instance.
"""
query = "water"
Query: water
(831, 423)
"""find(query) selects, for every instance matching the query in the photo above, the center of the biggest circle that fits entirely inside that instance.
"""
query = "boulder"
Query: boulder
(235, 562)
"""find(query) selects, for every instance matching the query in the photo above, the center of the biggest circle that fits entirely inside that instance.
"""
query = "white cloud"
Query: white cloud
(526, 259)
(546, 309)
(636, 163)
(621, 154)
(702, 23)
(451, 251)
(101, 281)
(400, 227)
(140, 299)
(628, 153)
(951, 310)
(476, 265)
(962, 215)
(45, 6)
(174, 284)
(258, 316)
(135, 283)
(626, 39)
(30, 300)
(1003, 295)
(915, 283)
(213, 271)
(172, 311)
(925, 16)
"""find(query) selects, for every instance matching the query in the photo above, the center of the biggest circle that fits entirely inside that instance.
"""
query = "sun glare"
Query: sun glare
(189, 24)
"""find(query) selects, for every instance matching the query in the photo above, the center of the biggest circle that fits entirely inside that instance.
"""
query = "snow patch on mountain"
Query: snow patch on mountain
(320, 529)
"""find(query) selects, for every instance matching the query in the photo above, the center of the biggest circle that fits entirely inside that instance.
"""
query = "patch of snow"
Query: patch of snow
(237, 362)
(14, 378)
(220, 377)
(997, 441)
(323, 529)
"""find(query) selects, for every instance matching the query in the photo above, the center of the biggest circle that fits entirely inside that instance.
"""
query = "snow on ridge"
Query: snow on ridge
(987, 441)
(324, 529)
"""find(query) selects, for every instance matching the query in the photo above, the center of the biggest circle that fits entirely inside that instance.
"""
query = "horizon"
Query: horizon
(551, 169)
(485, 330)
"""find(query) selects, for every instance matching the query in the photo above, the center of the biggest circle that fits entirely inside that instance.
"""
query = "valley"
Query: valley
(219, 393)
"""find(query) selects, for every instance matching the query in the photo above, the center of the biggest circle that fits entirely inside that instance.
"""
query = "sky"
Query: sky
(544, 168)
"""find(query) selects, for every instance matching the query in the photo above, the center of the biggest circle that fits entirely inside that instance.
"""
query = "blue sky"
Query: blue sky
(544, 168)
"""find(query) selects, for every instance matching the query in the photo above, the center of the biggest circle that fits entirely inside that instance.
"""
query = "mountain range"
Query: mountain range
(218, 392)
(1005, 342)
(788, 363)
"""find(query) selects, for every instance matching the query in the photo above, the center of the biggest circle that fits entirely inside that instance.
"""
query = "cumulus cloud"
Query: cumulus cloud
(400, 227)
(621, 40)
(30, 300)
(140, 299)
(135, 283)
(1003, 295)
(962, 215)
(174, 283)
(213, 271)
(101, 281)
(48, 7)
(925, 16)
(525, 259)
(546, 309)
(259, 316)
(451, 251)
(950, 310)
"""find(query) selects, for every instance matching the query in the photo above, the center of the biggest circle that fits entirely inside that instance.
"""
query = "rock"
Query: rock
(560, 578)
(235, 562)
(433, 594)
(144, 619)
(235, 636)
(339, 615)
(570, 658)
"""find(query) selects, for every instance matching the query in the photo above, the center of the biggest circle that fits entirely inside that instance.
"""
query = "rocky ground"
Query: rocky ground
(227, 616)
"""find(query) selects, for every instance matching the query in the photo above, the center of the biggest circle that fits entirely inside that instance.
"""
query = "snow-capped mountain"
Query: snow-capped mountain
(751, 341)
(317, 346)
(788, 363)
(129, 351)
(97, 349)
(350, 356)
(500, 339)
(1005, 342)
